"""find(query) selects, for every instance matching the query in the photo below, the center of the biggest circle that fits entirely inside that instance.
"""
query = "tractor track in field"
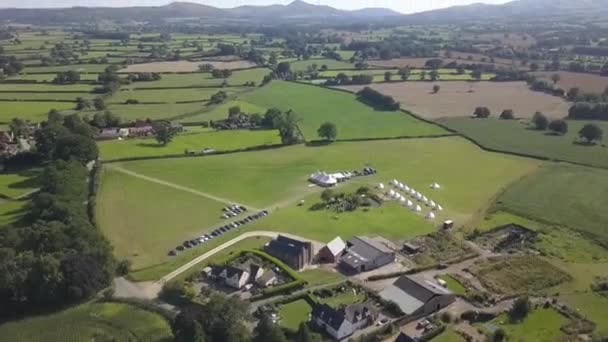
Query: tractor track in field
(179, 187)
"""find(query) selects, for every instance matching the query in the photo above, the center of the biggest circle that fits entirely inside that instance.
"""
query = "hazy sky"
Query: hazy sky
(405, 6)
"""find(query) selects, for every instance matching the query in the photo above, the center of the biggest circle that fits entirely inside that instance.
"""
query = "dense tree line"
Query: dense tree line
(67, 77)
(10, 65)
(377, 100)
(392, 47)
(56, 255)
(144, 77)
(285, 122)
(344, 79)
(589, 111)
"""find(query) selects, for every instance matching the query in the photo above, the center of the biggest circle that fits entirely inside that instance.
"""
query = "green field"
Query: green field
(15, 182)
(319, 277)
(514, 136)
(220, 112)
(134, 211)
(330, 63)
(167, 95)
(344, 298)
(354, 119)
(90, 322)
(454, 285)
(449, 335)
(195, 141)
(34, 111)
(144, 220)
(11, 211)
(541, 325)
(156, 111)
(567, 195)
(84, 68)
(292, 314)
(41, 87)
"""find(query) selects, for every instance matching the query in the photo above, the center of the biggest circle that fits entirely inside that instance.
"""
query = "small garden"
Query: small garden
(341, 202)
(441, 247)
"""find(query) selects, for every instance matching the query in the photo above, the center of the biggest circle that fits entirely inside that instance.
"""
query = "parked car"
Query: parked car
(180, 248)
(172, 253)
(422, 324)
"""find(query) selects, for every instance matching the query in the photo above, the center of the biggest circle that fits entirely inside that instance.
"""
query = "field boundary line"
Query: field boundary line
(225, 245)
(179, 187)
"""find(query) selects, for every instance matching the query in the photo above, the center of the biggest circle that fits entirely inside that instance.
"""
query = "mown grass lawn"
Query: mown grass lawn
(145, 220)
(515, 136)
(294, 313)
(320, 277)
(316, 105)
(454, 285)
(196, 140)
(567, 195)
(541, 325)
(18, 181)
(90, 322)
(156, 111)
(344, 298)
(11, 211)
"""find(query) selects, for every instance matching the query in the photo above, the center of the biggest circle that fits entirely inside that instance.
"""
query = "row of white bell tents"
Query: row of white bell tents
(399, 197)
(402, 186)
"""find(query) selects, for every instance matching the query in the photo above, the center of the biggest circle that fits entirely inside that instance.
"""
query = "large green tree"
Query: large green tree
(328, 131)
(267, 331)
(164, 133)
(591, 132)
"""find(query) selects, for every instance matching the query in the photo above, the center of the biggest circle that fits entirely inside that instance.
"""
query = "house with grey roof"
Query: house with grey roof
(365, 254)
(343, 322)
(240, 275)
(418, 297)
(295, 253)
(267, 279)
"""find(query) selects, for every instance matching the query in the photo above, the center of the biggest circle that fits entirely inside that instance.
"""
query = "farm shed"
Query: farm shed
(418, 297)
(365, 254)
(331, 252)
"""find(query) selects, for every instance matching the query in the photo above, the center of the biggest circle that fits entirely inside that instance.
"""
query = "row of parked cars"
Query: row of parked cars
(219, 231)
(233, 210)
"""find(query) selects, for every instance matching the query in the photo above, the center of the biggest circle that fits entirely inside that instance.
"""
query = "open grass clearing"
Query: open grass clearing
(156, 111)
(331, 64)
(193, 141)
(563, 194)
(88, 322)
(345, 298)
(294, 313)
(454, 285)
(18, 181)
(60, 97)
(42, 87)
(455, 98)
(144, 220)
(316, 105)
(11, 211)
(588, 83)
(541, 325)
(185, 66)
(320, 277)
(517, 137)
(510, 275)
(244, 177)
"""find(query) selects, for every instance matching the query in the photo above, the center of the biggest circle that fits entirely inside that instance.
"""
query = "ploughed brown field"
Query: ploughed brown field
(588, 83)
(458, 99)
(185, 66)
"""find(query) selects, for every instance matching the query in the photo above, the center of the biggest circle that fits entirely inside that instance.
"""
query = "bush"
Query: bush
(559, 126)
(540, 121)
(499, 335)
(521, 308)
(482, 112)
(507, 114)
(378, 100)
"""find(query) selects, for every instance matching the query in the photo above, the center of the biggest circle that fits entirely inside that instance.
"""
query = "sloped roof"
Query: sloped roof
(336, 246)
(266, 277)
(411, 293)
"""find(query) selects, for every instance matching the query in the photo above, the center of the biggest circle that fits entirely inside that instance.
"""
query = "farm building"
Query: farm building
(365, 254)
(331, 252)
(112, 133)
(418, 297)
(294, 253)
(141, 131)
(343, 322)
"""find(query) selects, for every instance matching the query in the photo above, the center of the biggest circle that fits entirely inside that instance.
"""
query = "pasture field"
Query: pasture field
(156, 111)
(29, 110)
(184, 66)
(331, 64)
(49, 77)
(11, 211)
(167, 95)
(316, 105)
(195, 141)
(179, 80)
(292, 314)
(219, 112)
(541, 325)
(319, 277)
(562, 194)
(42, 87)
(84, 68)
(516, 136)
(88, 322)
(244, 177)
(44, 97)
(511, 275)
(144, 220)
(588, 83)
(455, 99)
(15, 182)
(420, 62)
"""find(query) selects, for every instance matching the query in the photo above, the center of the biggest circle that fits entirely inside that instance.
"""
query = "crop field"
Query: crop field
(568, 195)
(509, 275)
(354, 119)
(144, 220)
(243, 177)
(30, 110)
(588, 83)
(455, 99)
(194, 141)
(87, 322)
(541, 325)
(184, 66)
(517, 137)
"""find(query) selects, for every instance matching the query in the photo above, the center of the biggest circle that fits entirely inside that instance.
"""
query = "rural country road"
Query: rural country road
(225, 245)
(179, 187)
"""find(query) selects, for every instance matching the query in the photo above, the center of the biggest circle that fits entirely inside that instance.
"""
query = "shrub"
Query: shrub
(482, 112)
(540, 121)
(559, 126)
(521, 308)
(507, 114)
